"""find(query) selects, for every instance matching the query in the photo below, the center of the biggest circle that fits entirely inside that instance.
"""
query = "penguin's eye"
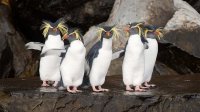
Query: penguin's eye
(103, 33)
(111, 33)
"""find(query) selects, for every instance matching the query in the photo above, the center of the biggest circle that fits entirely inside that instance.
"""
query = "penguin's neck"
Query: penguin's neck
(71, 39)
(54, 33)
(151, 35)
(106, 43)
(54, 41)
(54, 38)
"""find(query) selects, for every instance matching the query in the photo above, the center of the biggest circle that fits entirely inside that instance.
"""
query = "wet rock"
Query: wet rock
(182, 34)
(78, 13)
(153, 12)
(174, 93)
(184, 28)
(177, 59)
(15, 60)
(162, 69)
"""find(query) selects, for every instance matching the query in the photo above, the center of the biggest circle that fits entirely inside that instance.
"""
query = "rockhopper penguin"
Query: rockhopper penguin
(72, 66)
(152, 34)
(50, 64)
(133, 63)
(99, 57)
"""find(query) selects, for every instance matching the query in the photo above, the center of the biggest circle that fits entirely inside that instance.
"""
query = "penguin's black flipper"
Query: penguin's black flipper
(93, 53)
(145, 42)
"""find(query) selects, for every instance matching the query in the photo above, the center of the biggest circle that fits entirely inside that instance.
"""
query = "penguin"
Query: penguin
(49, 67)
(133, 63)
(99, 57)
(152, 34)
(72, 66)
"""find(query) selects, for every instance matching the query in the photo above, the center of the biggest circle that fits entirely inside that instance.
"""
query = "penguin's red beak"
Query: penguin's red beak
(156, 33)
(108, 34)
(65, 36)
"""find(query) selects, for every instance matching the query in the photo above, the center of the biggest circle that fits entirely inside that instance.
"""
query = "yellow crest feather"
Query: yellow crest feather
(139, 28)
(99, 32)
(115, 33)
(62, 27)
(146, 31)
(76, 32)
(159, 33)
(45, 27)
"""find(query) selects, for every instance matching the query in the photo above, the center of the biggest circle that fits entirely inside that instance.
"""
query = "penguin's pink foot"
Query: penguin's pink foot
(71, 90)
(55, 84)
(75, 88)
(44, 84)
(138, 89)
(94, 89)
(128, 88)
(103, 89)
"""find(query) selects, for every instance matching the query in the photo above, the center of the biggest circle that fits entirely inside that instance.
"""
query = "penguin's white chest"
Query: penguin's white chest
(133, 64)
(101, 64)
(50, 65)
(150, 58)
(54, 42)
(72, 67)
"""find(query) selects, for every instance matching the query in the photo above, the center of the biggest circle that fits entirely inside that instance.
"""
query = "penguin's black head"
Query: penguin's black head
(55, 28)
(73, 35)
(108, 32)
(134, 28)
(150, 27)
(151, 31)
(132, 25)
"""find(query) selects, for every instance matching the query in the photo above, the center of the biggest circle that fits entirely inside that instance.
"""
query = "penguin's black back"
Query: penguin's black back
(93, 53)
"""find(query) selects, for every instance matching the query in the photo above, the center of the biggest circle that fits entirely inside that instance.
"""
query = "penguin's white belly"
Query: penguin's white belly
(50, 68)
(133, 64)
(72, 67)
(150, 58)
(50, 65)
(100, 67)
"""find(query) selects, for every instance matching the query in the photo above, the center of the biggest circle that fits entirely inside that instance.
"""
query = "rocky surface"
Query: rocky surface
(126, 11)
(195, 4)
(14, 58)
(153, 12)
(177, 59)
(183, 28)
(78, 13)
(174, 93)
